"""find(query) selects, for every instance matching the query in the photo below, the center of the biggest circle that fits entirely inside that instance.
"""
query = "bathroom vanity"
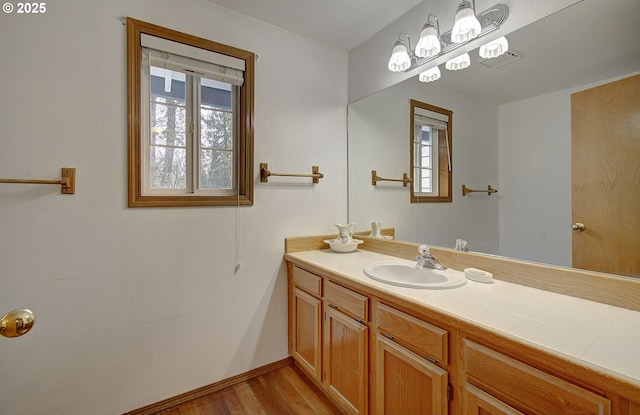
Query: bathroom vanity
(499, 348)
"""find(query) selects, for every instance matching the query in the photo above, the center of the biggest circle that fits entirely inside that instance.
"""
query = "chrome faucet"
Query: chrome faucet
(426, 259)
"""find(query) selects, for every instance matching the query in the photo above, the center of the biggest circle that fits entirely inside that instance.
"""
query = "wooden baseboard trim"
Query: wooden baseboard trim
(205, 390)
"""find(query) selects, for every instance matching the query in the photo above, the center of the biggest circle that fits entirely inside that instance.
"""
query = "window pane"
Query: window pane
(216, 128)
(216, 169)
(168, 124)
(426, 147)
(168, 167)
(216, 135)
(426, 180)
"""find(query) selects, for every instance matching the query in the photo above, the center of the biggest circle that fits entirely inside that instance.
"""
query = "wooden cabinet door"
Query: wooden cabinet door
(306, 332)
(406, 383)
(345, 361)
(477, 402)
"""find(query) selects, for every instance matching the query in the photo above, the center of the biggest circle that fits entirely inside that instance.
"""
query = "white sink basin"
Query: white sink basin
(405, 274)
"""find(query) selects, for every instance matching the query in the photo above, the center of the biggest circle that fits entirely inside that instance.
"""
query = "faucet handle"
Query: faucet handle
(461, 245)
(423, 250)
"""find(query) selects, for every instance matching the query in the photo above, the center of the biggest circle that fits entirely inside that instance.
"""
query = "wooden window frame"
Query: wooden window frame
(244, 191)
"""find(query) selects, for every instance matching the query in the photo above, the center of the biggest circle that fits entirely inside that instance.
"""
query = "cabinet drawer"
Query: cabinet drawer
(307, 281)
(422, 338)
(346, 300)
(527, 388)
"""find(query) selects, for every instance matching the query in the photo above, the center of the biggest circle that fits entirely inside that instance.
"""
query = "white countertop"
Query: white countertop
(594, 333)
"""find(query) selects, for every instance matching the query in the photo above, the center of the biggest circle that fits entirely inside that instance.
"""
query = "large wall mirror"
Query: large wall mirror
(512, 131)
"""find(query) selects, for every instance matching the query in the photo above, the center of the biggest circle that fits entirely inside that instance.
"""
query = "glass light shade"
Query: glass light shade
(458, 63)
(429, 43)
(466, 26)
(430, 75)
(494, 48)
(400, 59)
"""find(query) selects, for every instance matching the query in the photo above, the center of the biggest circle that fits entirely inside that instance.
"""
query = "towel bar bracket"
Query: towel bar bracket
(67, 181)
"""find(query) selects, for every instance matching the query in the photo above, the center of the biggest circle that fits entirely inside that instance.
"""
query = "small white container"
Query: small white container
(478, 275)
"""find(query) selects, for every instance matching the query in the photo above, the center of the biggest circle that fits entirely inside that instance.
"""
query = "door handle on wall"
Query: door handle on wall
(17, 322)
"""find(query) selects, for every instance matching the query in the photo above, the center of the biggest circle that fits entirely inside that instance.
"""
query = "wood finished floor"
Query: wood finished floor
(285, 391)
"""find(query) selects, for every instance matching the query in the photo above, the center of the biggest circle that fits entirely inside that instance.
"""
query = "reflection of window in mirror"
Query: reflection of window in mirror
(430, 153)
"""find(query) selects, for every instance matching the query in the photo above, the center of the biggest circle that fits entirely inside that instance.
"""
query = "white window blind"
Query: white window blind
(429, 122)
(179, 57)
(431, 114)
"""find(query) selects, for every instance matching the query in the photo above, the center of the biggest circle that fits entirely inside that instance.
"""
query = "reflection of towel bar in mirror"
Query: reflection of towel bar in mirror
(265, 173)
(67, 182)
(489, 190)
(375, 179)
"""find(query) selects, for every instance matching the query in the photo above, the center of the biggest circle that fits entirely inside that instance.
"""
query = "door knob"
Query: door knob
(578, 227)
(17, 322)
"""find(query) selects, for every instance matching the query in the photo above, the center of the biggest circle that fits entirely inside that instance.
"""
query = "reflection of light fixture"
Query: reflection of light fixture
(458, 63)
(400, 59)
(494, 48)
(429, 43)
(430, 75)
(466, 25)
(403, 57)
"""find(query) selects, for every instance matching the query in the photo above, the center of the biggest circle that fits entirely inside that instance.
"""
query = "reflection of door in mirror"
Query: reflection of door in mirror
(605, 158)
(430, 153)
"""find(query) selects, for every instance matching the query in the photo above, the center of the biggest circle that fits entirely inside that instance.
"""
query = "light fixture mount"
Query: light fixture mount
(490, 20)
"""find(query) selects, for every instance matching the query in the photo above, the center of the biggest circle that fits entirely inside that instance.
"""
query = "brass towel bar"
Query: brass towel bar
(489, 190)
(265, 173)
(67, 182)
(375, 179)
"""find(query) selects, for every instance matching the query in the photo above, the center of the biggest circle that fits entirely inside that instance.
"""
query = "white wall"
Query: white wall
(535, 177)
(136, 305)
(379, 140)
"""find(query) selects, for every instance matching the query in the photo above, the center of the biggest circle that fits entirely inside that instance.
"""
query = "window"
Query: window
(190, 120)
(430, 153)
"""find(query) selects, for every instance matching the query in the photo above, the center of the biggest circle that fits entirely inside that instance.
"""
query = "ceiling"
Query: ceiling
(338, 23)
(587, 42)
